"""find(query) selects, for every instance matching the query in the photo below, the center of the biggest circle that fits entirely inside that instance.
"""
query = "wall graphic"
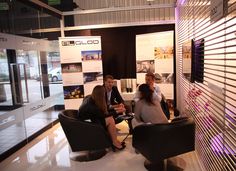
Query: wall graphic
(81, 63)
(154, 53)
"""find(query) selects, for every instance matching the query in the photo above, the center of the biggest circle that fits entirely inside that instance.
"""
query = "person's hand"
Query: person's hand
(115, 106)
(122, 105)
(151, 87)
(120, 108)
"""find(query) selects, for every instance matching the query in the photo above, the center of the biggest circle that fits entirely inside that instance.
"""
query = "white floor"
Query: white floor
(50, 152)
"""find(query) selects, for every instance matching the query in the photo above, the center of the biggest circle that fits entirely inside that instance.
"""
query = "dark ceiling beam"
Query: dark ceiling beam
(36, 4)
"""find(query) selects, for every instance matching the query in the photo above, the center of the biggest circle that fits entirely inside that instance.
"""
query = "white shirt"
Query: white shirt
(156, 94)
(109, 97)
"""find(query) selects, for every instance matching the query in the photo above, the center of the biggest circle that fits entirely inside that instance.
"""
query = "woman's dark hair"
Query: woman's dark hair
(146, 93)
(98, 95)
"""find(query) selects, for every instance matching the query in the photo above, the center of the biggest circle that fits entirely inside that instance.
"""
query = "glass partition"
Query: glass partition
(17, 17)
(22, 124)
(30, 61)
(5, 86)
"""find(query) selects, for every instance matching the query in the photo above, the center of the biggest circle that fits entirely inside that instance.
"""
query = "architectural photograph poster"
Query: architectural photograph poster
(155, 53)
(81, 62)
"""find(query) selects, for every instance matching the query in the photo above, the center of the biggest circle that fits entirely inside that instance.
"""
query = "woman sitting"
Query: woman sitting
(147, 110)
(94, 108)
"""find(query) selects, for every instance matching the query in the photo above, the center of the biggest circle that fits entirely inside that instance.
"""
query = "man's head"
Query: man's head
(150, 78)
(109, 82)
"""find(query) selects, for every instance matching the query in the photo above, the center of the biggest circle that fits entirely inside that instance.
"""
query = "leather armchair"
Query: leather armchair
(88, 141)
(157, 142)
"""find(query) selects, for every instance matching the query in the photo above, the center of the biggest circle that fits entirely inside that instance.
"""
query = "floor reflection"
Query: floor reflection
(50, 151)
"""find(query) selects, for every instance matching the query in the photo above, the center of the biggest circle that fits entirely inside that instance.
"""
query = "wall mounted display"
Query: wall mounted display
(193, 60)
(154, 53)
(81, 62)
(198, 60)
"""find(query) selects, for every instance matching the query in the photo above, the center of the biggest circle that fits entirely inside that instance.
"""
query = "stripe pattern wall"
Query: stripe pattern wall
(212, 101)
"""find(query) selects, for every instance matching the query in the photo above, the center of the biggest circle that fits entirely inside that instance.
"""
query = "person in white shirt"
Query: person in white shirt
(150, 80)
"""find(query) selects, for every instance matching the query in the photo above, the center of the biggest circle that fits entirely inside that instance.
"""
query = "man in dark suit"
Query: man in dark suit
(115, 103)
(114, 100)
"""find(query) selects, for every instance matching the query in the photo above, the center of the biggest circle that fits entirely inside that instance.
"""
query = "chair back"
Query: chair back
(160, 141)
(83, 135)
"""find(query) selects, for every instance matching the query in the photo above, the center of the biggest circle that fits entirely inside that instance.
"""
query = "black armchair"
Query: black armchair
(88, 141)
(157, 142)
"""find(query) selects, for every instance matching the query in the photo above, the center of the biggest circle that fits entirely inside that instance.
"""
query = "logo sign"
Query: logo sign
(79, 42)
(216, 10)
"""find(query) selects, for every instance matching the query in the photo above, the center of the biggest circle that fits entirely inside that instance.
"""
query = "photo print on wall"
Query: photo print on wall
(164, 78)
(145, 66)
(92, 55)
(163, 52)
(73, 92)
(187, 60)
(93, 77)
(71, 67)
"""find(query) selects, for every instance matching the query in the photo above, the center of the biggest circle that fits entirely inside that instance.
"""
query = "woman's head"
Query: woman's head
(146, 93)
(98, 95)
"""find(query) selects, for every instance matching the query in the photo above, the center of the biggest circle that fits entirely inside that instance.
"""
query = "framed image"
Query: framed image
(166, 52)
(73, 92)
(164, 78)
(145, 66)
(93, 77)
(91, 55)
(71, 67)
(187, 60)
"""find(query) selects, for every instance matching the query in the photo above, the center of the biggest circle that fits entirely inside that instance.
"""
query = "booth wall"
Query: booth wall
(212, 102)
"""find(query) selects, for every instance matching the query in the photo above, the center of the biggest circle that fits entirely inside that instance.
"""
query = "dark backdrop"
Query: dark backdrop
(118, 47)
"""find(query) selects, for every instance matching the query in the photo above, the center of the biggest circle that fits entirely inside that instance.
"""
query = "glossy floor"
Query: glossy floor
(50, 152)
(16, 133)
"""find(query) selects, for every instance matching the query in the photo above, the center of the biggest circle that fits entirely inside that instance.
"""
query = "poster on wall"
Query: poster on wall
(81, 63)
(155, 53)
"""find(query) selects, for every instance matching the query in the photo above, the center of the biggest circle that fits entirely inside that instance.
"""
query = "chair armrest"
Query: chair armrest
(160, 141)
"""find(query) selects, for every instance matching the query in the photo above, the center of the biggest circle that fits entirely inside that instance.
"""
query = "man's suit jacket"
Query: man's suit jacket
(115, 96)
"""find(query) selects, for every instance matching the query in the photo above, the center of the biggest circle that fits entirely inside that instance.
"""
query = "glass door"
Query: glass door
(29, 70)
(19, 83)
(5, 86)
(20, 78)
